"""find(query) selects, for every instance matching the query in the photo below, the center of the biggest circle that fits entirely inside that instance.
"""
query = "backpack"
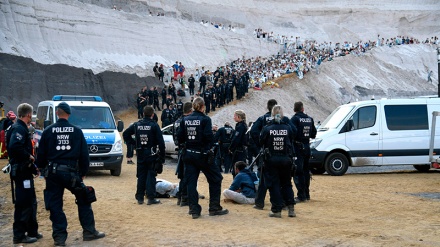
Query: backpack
(180, 92)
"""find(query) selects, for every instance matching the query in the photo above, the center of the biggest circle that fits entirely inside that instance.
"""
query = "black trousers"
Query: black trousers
(194, 163)
(25, 213)
(53, 199)
(277, 174)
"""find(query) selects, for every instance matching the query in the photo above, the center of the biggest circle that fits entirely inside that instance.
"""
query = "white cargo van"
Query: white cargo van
(97, 122)
(376, 133)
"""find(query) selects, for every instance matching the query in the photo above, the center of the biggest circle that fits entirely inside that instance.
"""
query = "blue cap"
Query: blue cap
(65, 107)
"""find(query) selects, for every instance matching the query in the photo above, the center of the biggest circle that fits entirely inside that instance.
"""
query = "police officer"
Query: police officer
(191, 84)
(276, 138)
(63, 152)
(140, 101)
(197, 135)
(224, 136)
(257, 126)
(19, 147)
(238, 142)
(207, 96)
(148, 137)
(167, 116)
(156, 99)
(306, 130)
(179, 109)
(182, 195)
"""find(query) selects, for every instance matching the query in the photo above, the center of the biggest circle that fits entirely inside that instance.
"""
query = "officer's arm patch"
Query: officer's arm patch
(18, 136)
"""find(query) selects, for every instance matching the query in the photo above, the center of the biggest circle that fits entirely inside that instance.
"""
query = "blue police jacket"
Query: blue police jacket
(19, 143)
(305, 126)
(63, 143)
(196, 132)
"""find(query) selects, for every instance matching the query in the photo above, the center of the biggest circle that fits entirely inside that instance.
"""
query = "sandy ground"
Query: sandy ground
(366, 209)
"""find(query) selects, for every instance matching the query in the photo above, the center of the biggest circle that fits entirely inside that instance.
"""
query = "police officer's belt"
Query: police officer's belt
(303, 142)
(64, 168)
(194, 151)
(278, 153)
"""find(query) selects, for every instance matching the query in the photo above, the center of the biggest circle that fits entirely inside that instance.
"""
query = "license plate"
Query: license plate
(96, 163)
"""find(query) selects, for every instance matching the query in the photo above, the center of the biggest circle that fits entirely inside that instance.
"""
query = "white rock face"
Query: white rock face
(82, 34)
(90, 34)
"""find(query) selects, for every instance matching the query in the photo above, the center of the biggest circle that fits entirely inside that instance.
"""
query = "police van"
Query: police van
(376, 133)
(96, 120)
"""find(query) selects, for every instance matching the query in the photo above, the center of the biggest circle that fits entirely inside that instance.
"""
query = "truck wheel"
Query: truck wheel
(317, 171)
(422, 168)
(116, 172)
(336, 164)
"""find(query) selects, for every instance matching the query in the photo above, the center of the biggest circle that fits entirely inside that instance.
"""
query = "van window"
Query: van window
(51, 113)
(41, 116)
(364, 117)
(92, 117)
(406, 117)
(336, 117)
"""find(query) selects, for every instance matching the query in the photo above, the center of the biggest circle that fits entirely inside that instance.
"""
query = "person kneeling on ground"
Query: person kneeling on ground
(242, 189)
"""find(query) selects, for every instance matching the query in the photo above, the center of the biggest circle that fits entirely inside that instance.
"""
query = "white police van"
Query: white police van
(97, 122)
(376, 133)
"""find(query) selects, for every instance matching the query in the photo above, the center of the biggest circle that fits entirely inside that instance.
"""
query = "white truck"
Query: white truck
(97, 122)
(376, 133)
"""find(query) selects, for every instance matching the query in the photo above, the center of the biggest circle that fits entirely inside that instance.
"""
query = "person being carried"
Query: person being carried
(242, 189)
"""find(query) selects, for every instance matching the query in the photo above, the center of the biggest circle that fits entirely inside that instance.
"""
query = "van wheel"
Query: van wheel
(317, 171)
(422, 168)
(336, 164)
(116, 172)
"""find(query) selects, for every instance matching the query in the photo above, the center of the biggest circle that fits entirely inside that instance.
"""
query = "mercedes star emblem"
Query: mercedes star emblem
(93, 148)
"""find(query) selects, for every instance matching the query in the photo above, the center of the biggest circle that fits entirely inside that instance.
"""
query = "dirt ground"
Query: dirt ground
(370, 209)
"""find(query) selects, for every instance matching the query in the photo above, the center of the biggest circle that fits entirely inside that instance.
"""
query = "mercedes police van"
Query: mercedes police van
(376, 133)
(97, 122)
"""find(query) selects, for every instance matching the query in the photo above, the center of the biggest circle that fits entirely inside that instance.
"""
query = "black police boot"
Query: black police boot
(276, 215)
(218, 212)
(179, 200)
(59, 243)
(38, 236)
(184, 203)
(92, 236)
(25, 240)
(153, 201)
(291, 212)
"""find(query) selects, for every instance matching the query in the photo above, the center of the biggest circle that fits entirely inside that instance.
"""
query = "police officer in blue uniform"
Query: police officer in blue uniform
(167, 116)
(182, 195)
(257, 126)
(306, 130)
(150, 151)
(224, 136)
(197, 135)
(238, 143)
(19, 147)
(207, 96)
(276, 138)
(64, 154)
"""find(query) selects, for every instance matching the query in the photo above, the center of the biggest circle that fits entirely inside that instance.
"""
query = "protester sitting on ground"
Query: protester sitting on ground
(242, 189)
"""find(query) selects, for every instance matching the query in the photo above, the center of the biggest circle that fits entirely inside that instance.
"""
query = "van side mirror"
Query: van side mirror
(120, 125)
(47, 123)
(348, 126)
